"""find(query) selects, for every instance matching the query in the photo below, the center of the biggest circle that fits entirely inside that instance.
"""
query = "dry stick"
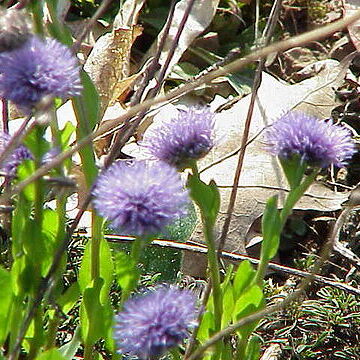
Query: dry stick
(76, 46)
(257, 81)
(5, 116)
(153, 67)
(174, 43)
(202, 249)
(149, 74)
(325, 254)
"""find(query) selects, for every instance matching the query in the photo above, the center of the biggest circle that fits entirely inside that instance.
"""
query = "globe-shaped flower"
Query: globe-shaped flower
(10, 164)
(181, 140)
(140, 198)
(318, 143)
(36, 69)
(151, 324)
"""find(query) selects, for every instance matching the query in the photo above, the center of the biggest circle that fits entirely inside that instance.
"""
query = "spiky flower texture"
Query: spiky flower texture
(182, 139)
(151, 324)
(10, 164)
(36, 69)
(140, 198)
(318, 143)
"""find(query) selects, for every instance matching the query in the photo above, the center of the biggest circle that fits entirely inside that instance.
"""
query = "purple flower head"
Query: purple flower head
(140, 198)
(150, 324)
(178, 141)
(36, 69)
(318, 143)
(11, 163)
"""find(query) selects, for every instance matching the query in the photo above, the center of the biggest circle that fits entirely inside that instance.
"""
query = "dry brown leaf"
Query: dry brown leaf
(199, 19)
(108, 63)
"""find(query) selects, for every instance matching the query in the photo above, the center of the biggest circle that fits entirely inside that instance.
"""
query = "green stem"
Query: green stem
(215, 274)
(97, 235)
(295, 195)
(208, 228)
(39, 184)
(135, 254)
(292, 198)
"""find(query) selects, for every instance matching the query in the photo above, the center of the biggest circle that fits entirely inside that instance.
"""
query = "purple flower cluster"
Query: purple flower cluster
(36, 69)
(180, 140)
(318, 143)
(11, 163)
(152, 323)
(140, 198)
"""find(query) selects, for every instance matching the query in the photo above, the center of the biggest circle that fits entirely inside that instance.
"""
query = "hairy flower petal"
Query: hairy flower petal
(10, 164)
(319, 143)
(36, 69)
(179, 140)
(152, 323)
(140, 198)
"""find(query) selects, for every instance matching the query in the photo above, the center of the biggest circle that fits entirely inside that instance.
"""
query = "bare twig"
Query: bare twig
(149, 74)
(257, 81)
(5, 116)
(76, 46)
(175, 43)
(232, 256)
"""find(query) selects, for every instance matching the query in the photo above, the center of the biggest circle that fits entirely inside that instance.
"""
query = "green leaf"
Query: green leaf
(52, 354)
(39, 244)
(207, 197)
(24, 170)
(65, 134)
(252, 349)
(6, 295)
(248, 303)
(126, 271)
(92, 314)
(206, 327)
(271, 229)
(228, 306)
(86, 106)
(55, 27)
(106, 269)
(69, 298)
(243, 278)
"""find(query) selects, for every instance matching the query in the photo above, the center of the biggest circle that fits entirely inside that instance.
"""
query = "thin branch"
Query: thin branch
(232, 256)
(273, 18)
(89, 25)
